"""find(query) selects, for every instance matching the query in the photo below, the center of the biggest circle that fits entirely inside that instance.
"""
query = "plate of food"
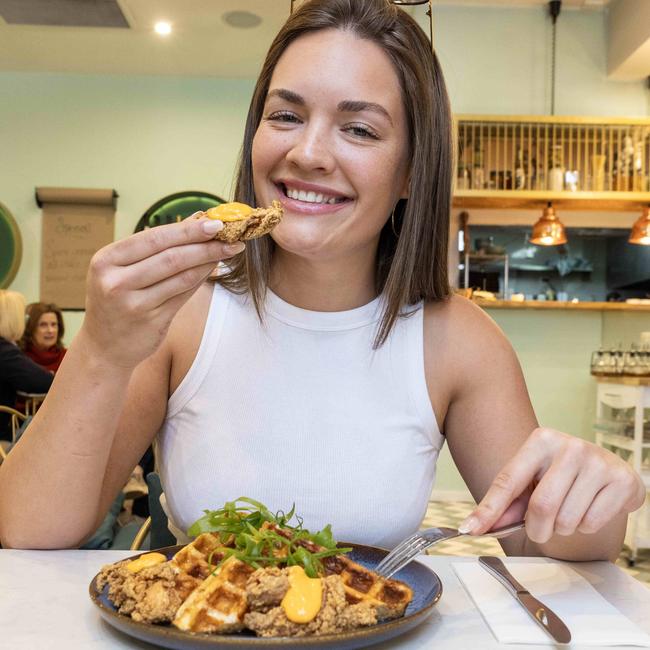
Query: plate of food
(251, 579)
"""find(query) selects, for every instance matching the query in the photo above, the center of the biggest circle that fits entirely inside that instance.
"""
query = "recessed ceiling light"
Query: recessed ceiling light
(242, 19)
(163, 28)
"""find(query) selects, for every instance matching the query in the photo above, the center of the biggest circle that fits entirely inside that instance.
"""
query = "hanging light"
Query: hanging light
(549, 230)
(641, 229)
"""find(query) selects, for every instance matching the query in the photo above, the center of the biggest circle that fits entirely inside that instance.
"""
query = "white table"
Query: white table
(44, 604)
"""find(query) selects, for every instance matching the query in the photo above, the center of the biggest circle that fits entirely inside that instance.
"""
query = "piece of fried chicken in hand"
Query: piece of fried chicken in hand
(241, 222)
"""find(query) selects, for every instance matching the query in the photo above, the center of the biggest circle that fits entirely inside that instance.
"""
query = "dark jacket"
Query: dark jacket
(18, 372)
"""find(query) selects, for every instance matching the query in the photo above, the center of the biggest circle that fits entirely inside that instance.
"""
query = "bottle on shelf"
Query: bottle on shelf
(556, 171)
(520, 171)
(478, 173)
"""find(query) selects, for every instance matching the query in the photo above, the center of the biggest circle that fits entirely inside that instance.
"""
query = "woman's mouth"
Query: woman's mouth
(310, 201)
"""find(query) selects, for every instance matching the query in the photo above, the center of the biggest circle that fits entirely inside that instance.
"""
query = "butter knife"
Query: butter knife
(548, 620)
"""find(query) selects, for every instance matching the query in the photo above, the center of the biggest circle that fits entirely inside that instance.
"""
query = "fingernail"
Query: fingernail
(468, 525)
(233, 249)
(212, 226)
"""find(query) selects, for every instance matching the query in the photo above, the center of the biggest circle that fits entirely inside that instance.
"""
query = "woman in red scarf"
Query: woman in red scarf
(42, 340)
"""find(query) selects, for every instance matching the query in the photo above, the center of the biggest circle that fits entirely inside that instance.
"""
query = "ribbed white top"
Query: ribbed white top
(302, 410)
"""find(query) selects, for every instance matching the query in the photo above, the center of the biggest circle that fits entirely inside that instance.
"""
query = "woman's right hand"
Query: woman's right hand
(135, 287)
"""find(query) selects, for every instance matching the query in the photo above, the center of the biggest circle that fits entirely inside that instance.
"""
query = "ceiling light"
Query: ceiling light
(549, 230)
(641, 229)
(242, 19)
(163, 28)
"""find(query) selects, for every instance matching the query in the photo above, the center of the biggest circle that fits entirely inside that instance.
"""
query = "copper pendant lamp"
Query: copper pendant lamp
(549, 230)
(641, 229)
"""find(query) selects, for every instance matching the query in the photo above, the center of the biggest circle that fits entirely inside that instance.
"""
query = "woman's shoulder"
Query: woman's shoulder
(461, 336)
(459, 317)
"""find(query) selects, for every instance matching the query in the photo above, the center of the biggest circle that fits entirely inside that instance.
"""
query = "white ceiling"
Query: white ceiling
(202, 44)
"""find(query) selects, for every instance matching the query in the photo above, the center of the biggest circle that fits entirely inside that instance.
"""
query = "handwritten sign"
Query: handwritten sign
(73, 230)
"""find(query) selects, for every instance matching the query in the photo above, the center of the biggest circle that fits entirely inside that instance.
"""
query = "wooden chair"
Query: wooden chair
(156, 524)
(17, 418)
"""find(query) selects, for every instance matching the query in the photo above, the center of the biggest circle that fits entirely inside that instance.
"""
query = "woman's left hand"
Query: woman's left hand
(562, 484)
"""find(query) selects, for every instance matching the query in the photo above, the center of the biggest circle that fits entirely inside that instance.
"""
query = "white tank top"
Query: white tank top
(301, 409)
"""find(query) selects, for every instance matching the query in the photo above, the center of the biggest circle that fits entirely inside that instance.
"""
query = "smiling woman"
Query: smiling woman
(325, 363)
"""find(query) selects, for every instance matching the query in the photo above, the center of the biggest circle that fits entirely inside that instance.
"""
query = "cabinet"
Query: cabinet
(623, 426)
(575, 162)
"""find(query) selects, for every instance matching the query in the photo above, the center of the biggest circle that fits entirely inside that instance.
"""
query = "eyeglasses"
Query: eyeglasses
(403, 3)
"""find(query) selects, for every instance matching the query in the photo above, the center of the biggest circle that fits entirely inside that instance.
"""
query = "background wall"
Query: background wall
(151, 136)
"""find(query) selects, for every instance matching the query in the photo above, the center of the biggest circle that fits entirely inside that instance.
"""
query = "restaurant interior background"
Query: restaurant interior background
(150, 116)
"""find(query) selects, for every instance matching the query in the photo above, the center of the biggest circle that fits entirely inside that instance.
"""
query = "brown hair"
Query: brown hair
(411, 262)
(34, 311)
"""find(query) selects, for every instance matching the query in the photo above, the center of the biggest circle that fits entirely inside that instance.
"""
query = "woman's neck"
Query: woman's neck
(323, 285)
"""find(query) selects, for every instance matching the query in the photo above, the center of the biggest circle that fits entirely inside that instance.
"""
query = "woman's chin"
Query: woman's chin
(302, 242)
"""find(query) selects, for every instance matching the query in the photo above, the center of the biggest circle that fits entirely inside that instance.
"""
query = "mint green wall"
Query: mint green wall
(144, 136)
(151, 136)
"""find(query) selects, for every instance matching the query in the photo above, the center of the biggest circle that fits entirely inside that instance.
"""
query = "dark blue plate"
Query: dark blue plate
(426, 586)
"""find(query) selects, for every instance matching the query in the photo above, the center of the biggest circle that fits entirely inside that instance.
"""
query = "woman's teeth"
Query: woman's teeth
(310, 197)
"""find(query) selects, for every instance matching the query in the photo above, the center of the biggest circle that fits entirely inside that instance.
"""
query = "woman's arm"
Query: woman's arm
(566, 487)
(110, 394)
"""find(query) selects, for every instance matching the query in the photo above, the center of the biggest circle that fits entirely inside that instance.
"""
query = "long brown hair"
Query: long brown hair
(411, 263)
(33, 312)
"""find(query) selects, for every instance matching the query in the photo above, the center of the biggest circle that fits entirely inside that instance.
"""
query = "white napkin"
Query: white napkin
(590, 618)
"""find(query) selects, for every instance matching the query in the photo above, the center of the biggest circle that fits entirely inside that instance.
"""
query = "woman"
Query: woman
(326, 365)
(42, 341)
(17, 372)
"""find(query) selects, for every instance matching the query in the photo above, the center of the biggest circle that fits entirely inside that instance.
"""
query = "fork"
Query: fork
(406, 550)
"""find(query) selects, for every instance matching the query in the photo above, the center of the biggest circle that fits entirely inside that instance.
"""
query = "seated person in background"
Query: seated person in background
(17, 372)
(42, 340)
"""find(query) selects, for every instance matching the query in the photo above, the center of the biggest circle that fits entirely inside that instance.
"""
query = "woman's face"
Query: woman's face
(331, 145)
(47, 331)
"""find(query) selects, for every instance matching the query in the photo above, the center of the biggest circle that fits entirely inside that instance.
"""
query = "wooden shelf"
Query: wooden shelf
(529, 199)
(622, 379)
(555, 305)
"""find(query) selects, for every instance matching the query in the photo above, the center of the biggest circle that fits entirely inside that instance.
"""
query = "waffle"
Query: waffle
(389, 597)
(194, 559)
(219, 603)
(260, 222)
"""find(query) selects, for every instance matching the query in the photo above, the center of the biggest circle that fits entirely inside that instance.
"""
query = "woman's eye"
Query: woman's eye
(283, 116)
(362, 131)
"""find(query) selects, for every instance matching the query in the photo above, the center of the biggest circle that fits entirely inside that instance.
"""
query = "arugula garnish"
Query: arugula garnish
(240, 527)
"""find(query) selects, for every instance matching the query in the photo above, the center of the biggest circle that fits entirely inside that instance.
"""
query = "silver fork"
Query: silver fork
(406, 550)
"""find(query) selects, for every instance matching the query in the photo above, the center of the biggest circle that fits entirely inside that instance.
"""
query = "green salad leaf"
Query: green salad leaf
(239, 525)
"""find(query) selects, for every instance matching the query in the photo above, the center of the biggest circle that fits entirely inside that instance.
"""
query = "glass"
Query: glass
(403, 3)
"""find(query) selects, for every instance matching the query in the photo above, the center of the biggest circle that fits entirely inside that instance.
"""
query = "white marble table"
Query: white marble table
(44, 604)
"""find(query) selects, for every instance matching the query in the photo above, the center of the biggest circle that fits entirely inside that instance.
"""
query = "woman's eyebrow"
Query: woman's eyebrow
(287, 95)
(357, 106)
(346, 106)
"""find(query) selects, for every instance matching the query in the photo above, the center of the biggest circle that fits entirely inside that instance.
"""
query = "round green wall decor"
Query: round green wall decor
(11, 247)
(176, 207)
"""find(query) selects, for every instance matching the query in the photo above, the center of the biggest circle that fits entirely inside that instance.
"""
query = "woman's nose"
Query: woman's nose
(312, 150)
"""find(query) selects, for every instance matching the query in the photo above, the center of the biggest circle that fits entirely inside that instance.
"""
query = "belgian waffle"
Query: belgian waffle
(258, 223)
(199, 558)
(219, 603)
(389, 597)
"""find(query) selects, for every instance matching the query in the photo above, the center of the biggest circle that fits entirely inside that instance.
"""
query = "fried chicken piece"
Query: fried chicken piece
(266, 617)
(152, 595)
(260, 222)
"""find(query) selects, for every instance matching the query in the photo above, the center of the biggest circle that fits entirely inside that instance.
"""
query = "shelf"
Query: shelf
(557, 305)
(533, 199)
(542, 268)
(616, 440)
(622, 379)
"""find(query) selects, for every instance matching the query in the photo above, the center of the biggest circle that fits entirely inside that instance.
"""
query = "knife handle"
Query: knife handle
(498, 569)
